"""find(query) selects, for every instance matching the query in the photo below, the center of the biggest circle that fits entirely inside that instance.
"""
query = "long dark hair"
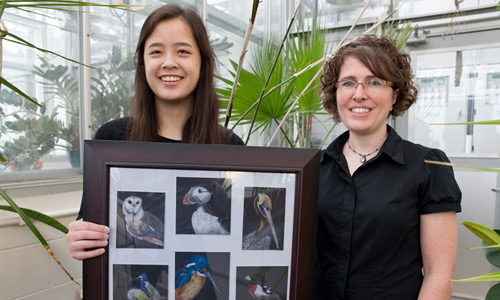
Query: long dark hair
(202, 127)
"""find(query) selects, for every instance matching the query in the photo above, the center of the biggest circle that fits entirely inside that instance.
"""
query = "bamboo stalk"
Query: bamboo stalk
(272, 69)
(3, 28)
(240, 62)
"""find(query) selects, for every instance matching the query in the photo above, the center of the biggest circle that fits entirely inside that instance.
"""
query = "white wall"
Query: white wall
(28, 272)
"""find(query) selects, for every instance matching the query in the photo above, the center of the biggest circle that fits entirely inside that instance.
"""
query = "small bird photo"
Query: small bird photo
(201, 276)
(203, 206)
(263, 218)
(140, 282)
(140, 219)
(262, 283)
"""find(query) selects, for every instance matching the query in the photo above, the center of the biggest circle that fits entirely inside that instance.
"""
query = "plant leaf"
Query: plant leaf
(486, 234)
(460, 166)
(21, 41)
(486, 277)
(492, 254)
(493, 293)
(25, 218)
(33, 214)
(15, 89)
(488, 122)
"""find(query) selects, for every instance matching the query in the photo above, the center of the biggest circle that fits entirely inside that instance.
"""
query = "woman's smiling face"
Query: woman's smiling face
(363, 112)
(172, 62)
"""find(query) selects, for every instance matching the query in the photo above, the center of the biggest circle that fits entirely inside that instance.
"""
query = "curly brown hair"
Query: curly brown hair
(381, 56)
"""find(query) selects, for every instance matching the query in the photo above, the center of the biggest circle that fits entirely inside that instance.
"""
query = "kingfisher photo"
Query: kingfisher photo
(203, 206)
(201, 276)
(140, 219)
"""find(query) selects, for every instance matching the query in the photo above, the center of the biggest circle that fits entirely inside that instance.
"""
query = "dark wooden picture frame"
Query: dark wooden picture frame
(101, 156)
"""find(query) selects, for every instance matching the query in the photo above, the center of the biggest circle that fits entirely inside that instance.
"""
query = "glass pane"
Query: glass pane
(343, 12)
(39, 139)
(461, 86)
(114, 35)
(336, 12)
(422, 7)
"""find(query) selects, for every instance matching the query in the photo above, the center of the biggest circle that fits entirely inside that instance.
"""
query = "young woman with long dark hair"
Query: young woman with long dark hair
(174, 101)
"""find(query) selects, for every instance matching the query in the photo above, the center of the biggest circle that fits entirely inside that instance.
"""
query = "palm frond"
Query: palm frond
(36, 215)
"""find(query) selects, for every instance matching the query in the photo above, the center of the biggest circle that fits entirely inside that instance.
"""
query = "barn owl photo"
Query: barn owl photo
(140, 223)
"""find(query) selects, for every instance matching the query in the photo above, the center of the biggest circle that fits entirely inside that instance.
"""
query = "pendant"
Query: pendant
(362, 159)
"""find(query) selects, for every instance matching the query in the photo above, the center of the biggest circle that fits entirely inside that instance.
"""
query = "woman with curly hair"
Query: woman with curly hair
(387, 224)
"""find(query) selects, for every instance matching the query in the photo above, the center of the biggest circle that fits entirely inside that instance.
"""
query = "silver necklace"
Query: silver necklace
(363, 156)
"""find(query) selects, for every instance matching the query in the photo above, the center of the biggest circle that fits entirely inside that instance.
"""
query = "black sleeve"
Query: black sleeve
(441, 192)
(114, 130)
(236, 140)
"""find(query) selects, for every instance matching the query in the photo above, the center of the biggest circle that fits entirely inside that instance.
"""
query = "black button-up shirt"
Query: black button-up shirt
(369, 223)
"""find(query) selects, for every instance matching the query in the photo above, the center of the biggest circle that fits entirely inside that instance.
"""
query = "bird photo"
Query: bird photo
(261, 283)
(203, 206)
(194, 278)
(263, 219)
(141, 216)
(140, 282)
(142, 289)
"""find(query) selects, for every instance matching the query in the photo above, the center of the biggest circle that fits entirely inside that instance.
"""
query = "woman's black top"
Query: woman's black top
(368, 238)
(119, 129)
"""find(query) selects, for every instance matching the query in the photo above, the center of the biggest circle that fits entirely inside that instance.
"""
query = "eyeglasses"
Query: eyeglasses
(372, 85)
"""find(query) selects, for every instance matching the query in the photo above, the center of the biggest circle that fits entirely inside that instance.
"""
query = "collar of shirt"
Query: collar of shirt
(392, 147)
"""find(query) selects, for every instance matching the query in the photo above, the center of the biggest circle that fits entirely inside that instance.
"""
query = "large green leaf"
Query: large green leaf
(250, 84)
(484, 233)
(33, 214)
(493, 293)
(492, 254)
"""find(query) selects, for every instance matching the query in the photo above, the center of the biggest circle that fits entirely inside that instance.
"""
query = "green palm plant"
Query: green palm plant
(250, 85)
(294, 77)
(306, 48)
(300, 137)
